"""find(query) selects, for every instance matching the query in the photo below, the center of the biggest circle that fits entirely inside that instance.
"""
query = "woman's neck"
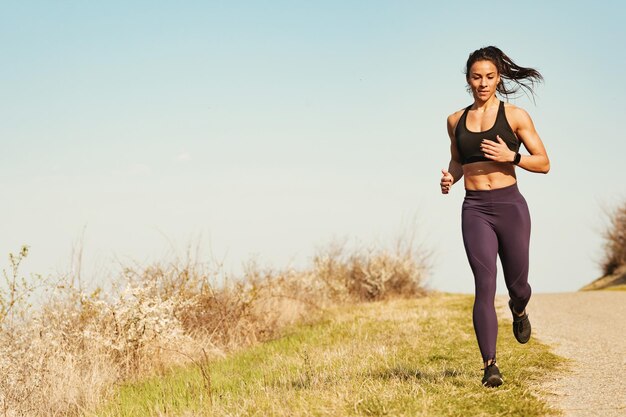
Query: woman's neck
(484, 105)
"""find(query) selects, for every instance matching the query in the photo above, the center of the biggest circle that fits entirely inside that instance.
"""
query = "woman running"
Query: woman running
(485, 138)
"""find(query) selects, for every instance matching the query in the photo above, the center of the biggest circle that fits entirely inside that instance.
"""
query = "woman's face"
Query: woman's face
(483, 78)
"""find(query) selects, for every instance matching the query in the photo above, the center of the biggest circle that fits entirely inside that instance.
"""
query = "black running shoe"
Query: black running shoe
(521, 325)
(493, 377)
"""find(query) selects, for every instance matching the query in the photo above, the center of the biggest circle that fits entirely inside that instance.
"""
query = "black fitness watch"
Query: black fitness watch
(518, 157)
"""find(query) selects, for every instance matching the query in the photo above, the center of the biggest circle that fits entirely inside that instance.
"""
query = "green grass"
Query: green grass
(397, 358)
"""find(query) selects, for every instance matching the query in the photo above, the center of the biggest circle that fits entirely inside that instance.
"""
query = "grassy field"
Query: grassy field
(399, 358)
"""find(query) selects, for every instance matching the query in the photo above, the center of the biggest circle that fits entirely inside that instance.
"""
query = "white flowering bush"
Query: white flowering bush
(138, 325)
(64, 357)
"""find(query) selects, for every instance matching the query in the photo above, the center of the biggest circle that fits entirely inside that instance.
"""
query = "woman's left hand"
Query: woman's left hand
(497, 151)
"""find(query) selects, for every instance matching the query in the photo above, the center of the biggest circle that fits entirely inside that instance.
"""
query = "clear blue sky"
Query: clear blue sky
(269, 128)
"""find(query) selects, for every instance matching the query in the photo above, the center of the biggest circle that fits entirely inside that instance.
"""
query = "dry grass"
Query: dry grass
(66, 356)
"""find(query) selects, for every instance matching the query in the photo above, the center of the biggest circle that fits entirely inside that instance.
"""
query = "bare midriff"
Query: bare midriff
(488, 175)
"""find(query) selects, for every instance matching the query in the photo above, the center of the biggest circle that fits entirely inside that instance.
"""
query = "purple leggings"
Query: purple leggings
(496, 222)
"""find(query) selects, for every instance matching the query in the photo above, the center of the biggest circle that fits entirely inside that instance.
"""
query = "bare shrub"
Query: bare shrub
(64, 357)
(615, 241)
(370, 275)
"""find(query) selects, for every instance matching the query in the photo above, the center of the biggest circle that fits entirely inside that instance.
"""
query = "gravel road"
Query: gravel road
(589, 328)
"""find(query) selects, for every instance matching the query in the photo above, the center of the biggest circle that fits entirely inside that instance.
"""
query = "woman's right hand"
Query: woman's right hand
(446, 181)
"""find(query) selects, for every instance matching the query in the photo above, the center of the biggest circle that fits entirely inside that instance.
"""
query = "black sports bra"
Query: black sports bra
(468, 143)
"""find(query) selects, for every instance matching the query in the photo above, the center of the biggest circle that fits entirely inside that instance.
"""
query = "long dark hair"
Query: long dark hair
(512, 76)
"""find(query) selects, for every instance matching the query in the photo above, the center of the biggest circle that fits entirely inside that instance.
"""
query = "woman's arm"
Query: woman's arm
(455, 170)
(538, 160)
(524, 128)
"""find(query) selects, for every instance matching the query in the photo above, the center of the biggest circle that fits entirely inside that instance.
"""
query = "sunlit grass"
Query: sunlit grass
(402, 358)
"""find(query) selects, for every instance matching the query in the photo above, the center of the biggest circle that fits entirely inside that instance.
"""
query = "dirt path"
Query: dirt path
(590, 329)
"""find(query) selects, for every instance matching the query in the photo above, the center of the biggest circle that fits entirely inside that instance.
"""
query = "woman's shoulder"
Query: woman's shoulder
(516, 115)
(453, 119)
